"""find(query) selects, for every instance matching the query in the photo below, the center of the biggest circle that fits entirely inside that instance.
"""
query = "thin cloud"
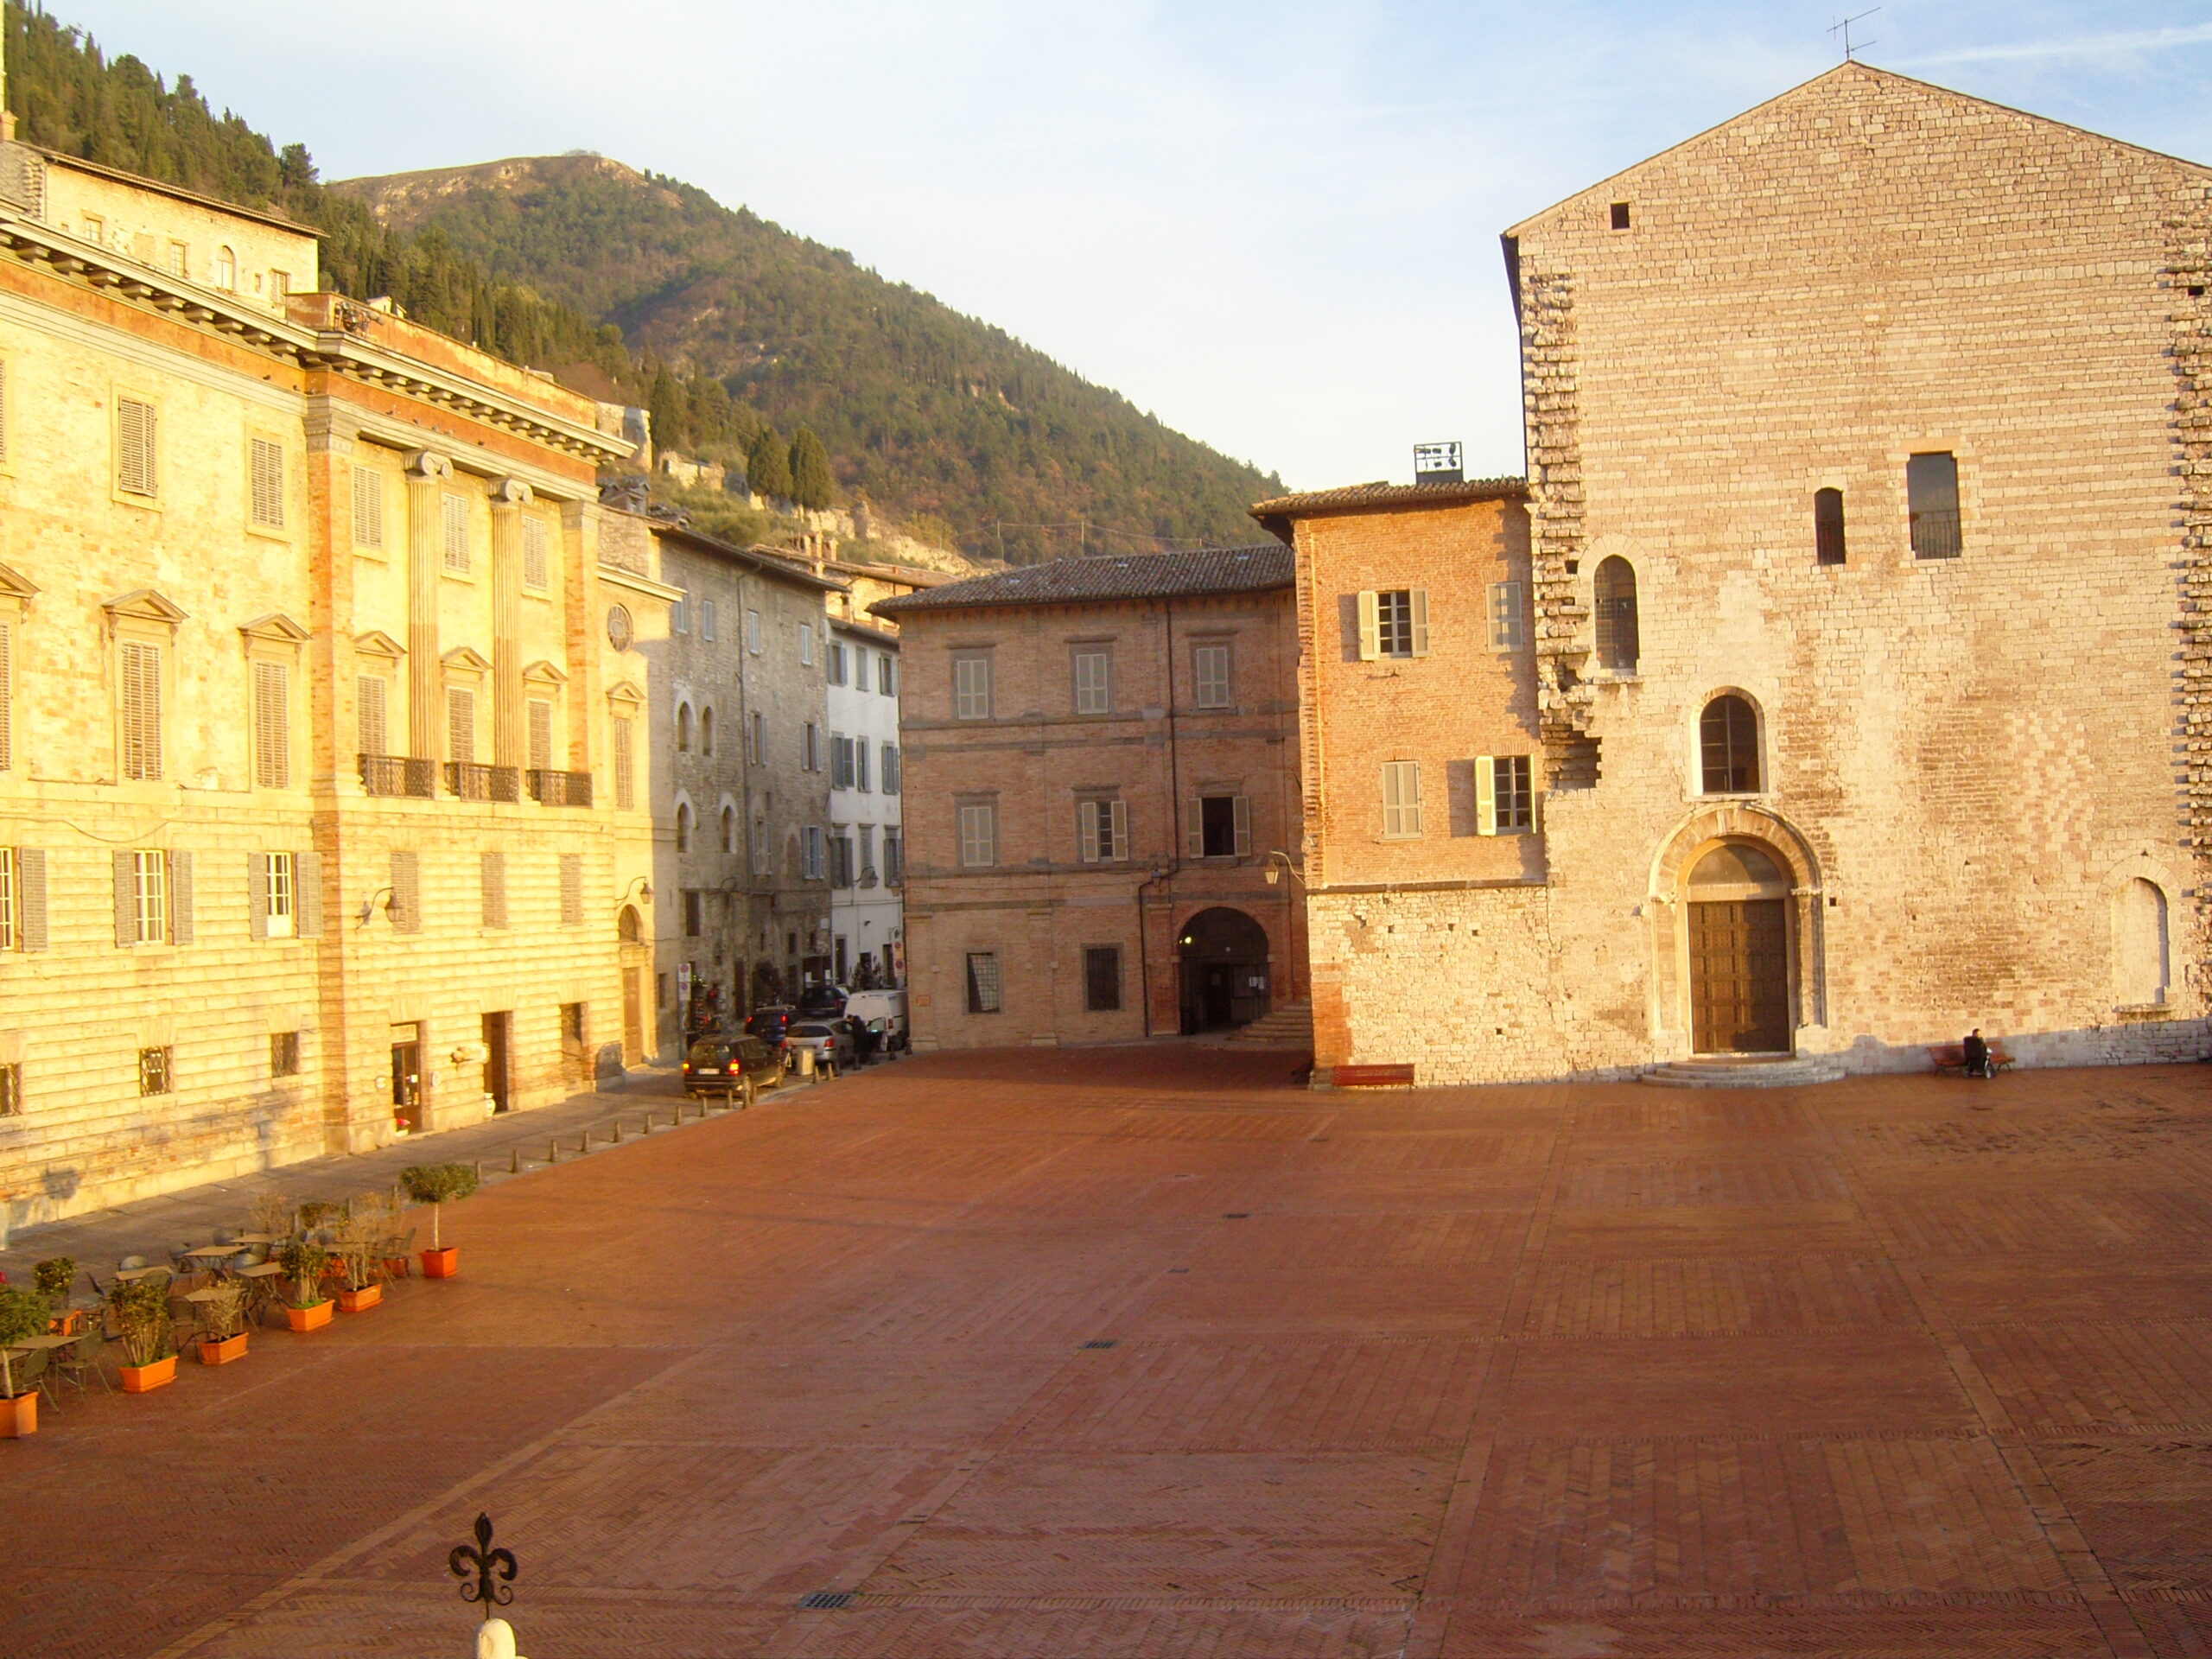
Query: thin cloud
(2080, 46)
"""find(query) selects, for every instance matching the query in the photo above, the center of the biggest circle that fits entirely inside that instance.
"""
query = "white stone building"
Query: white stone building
(866, 847)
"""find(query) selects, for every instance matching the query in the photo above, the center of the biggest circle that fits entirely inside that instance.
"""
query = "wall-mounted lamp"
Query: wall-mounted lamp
(639, 885)
(369, 904)
(1276, 863)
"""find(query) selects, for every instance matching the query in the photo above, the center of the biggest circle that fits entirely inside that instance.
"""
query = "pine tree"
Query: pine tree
(767, 472)
(810, 485)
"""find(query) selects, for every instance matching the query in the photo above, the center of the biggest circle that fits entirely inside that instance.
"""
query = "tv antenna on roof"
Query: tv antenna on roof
(1850, 46)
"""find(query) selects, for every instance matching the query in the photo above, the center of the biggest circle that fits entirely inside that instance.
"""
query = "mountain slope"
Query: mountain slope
(929, 413)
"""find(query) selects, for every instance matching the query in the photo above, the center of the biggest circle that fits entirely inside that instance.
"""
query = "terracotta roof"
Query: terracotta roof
(1135, 576)
(1355, 497)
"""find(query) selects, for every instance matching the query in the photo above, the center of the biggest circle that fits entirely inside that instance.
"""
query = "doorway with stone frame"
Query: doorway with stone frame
(1737, 914)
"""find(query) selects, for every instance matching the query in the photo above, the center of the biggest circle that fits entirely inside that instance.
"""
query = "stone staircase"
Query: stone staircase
(1290, 1025)
(1749, 1072)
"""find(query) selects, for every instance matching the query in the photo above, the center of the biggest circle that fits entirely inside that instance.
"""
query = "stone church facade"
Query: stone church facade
(1834, 686)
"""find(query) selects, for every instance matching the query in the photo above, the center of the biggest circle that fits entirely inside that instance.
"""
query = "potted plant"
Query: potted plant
(142, 1319)
(305, 1261)
(22, 1315)
(222, 1322)
(436, 1184)
(358, 1235)
(53, 1277)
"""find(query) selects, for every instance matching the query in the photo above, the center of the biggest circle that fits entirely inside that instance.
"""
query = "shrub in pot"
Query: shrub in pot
(359, 1237)
(140, 1311)
(53, 1277)
(437, 1185)
(304, 1262)
(222, 1322)
(23, 1314)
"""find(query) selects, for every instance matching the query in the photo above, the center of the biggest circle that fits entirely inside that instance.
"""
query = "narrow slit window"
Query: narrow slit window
(1620, 639)
(1827, 527)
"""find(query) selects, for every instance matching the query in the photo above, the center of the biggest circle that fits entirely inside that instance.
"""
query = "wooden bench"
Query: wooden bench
(1372, 1077)
(1951, 1057)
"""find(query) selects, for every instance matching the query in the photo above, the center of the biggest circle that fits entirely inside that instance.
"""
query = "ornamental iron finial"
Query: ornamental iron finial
(487, 1565)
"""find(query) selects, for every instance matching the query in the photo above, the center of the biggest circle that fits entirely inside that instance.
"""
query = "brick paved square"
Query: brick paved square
(1850, 1370)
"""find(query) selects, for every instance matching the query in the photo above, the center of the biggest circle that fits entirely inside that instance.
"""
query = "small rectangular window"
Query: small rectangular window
(1102, 978)
(137, 469)
(1394, 622)
(971, 685)
(406, 903)
(979, 834)
(536, 556)
(1505, 625)
(706, 621)
(625, 765)
(492, 880)
(886, 675)
(272, 726)
(756, 737)
(1101, 830)
(753, 632)
(150, 896)
(810, 748)
(278, 896)
(840, 762)
(891, 768)
(1827, 527)
(461, 724)
(1401, 800)
(156, 1071)
(860, 764)
(679, 614)
(806, 644)
(267, 463)
(572, 890)
(867, 835)
(453, 512)
(1093, 671)
(368, 507)
(1505, 800)
(370, 692)
(141, 711)
(841, 857)
(810, 843)
(695, 913)
(283, 1053)
(1210, 677)
(836, 662)
(11, 1090)
(1931, 485)
(983, 981)
(1619, 215)
(541, 735)
(1220, 826)
(894, 855)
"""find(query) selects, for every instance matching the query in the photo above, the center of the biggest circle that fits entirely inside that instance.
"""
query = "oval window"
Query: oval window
(621, 631)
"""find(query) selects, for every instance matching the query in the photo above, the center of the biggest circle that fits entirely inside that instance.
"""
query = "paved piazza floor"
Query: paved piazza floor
(1126, 1353)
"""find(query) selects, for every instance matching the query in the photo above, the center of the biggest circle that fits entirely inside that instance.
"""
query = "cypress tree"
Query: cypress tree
(671, 416)
(810, 485)
(767, 472)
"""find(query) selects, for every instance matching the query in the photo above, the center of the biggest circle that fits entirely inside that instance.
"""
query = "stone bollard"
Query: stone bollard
(495, 1639)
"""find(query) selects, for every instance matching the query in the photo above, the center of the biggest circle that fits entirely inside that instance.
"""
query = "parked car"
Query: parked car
(769, 1022)
(884, 1011)
(830, 1039)
(736, 1068)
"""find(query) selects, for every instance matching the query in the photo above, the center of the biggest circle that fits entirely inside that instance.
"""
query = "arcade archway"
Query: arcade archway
(1223, 959)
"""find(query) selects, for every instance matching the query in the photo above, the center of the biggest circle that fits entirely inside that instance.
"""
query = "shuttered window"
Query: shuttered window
(406, 893)
(141, 898)
(1394, 622)
(10, 932)
(266, 462)
(7, 696)
(541, 735)
(1210, 677)
(136, 460)
(368, 507)
(1101, 830)
(983, 981)
(307, 895)
(979, 834)
(142, 711)
(272, 888)
(453, 516)
(860, 763)
(370, 714)
(891, 768)
(706, 621)
(626, 766)
(758, 838)
(272, 726)
(572, 890)
(461, 724)
(1094, 681)
(491, 869)
(971, 686)
(840, 761)
(537, 563)
(31, 899)
(1401, 800)
(1217, 826)
(1505, 799)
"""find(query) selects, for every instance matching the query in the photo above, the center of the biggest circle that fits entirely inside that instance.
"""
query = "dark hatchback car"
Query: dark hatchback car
(736, 1068)
(770, 1023)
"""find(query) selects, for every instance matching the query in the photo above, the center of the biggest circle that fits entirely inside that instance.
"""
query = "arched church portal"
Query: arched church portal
(1737, 906)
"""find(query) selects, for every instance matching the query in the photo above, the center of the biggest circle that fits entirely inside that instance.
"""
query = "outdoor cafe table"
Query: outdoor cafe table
(132, 1275)
(213, 1255)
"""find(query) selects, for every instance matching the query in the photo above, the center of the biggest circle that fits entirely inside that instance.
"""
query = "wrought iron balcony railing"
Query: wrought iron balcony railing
(558, 788)
(471, 782)
(397, 774)
(1935, 533)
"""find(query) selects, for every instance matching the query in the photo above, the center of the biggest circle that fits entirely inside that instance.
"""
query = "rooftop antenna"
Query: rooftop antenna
(1852, 47)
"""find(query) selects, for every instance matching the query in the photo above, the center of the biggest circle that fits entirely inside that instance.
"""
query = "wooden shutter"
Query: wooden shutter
(572, 890)
(266, 464)
(180, 883)
(256, 895)
(368, 507)
(406, 893)
(141, 711)
(30, 897)
(272, 726)
(492, 868)
(1419, 598)
(454, 518)
(1243, 818)
(6, 410)
(307, 895)
(624, 766)
(537, 567)
(1194, 827)
(1117, 825)
(461, 724)
(369, 713)
(541, 735)
(136, 468)
(1086, 831)
(1485, 795)
(7, 696)
(126, 898)
(1371, 625)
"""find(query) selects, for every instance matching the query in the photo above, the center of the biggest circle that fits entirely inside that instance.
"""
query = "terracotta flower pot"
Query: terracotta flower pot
(361, 1300)
(442, 1264)
(309, 1319)
(144, 1379)
(223, 1352)
(19, 1416)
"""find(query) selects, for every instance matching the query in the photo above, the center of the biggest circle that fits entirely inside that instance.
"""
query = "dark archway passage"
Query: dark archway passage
(1223, 956)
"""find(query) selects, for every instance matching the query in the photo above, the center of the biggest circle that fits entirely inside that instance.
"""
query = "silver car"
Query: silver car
(830, 1039)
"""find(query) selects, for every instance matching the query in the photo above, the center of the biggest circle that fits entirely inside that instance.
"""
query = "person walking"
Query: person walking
(1977, 1055)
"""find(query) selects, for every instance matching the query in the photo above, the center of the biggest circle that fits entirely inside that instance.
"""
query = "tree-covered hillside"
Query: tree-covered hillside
(926, 412)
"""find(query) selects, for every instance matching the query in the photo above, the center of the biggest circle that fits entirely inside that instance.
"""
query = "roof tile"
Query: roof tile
(1135, 576)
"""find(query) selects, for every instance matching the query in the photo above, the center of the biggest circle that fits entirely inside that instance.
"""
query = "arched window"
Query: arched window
(2140, 960)
(227, 269)
(1728, 746)
(683, 728)
(683, 826)
(1827, 526)
(628, 928)
(1618, 643)
(706, 731)
(729, 829)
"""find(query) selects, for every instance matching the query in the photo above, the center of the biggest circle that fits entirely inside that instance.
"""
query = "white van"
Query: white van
(889, 1007)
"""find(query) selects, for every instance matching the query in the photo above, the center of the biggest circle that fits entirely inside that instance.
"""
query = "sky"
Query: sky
(1273, 225)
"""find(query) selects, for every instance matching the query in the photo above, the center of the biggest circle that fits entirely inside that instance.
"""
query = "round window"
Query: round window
(620, 629)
